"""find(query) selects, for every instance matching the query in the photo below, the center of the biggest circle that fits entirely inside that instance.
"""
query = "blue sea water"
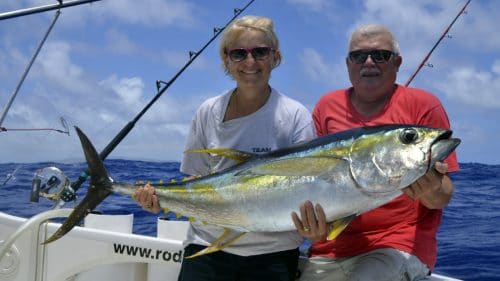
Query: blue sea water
(468, 240)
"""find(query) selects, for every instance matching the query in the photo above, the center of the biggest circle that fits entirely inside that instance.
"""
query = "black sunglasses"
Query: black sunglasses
(258, 53)
(378, 56)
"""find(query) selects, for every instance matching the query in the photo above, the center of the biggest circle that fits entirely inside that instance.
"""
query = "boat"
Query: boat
(103, 249)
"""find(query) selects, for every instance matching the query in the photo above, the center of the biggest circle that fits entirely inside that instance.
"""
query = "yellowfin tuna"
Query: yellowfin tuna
(348, 173)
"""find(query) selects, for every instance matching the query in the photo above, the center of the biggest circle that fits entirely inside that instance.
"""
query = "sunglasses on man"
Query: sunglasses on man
(258, 53)
(378, 56)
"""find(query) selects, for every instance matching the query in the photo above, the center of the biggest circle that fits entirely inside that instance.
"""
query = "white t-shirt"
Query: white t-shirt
(281, 122)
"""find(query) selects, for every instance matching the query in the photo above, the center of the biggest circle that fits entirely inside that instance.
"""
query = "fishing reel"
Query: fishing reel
(51, 183)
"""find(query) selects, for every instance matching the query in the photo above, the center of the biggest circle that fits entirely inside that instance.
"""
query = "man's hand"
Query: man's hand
(434, 189)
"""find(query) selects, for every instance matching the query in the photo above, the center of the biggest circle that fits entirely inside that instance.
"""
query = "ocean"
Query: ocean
(468, 239)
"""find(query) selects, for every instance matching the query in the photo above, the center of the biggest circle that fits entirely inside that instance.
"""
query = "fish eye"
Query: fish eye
(408, 136)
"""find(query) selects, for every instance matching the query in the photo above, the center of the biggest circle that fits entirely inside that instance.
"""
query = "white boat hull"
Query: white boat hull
(91, 253)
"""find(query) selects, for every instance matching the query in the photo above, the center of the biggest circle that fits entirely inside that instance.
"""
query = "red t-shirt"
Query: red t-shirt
(403, 223)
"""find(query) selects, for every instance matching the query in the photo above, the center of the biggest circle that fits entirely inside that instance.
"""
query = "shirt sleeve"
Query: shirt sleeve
(195, 164)
(305, 127)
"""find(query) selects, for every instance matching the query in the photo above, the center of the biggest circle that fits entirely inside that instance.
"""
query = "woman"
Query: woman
(252, 117)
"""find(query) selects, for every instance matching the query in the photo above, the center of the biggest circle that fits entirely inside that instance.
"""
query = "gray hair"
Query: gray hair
(373, 29)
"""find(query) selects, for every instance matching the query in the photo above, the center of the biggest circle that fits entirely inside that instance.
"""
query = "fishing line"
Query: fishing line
(63, 122)
(437, 43)
(69, 193)
(11, 176)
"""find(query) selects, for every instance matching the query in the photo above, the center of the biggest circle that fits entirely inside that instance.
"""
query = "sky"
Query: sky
(99, 66)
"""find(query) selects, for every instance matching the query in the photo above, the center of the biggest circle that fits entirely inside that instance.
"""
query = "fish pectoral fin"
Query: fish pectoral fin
(227, 238)
(233, 154)
(336, 227)
(299, 166)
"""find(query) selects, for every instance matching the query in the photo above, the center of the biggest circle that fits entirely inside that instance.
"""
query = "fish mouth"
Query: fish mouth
(442, 147)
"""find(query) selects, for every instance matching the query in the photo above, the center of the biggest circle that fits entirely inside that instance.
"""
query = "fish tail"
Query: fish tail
(100, 187)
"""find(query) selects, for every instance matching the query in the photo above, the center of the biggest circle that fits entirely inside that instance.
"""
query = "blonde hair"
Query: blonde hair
(235, 29)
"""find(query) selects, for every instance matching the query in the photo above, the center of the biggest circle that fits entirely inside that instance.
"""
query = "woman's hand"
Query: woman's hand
(146, 197)
(312, 222)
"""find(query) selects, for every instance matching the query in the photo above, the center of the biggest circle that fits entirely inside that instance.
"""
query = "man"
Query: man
(396, 241)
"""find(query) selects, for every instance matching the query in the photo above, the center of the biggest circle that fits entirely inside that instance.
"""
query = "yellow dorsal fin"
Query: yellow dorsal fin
(337, 226)
(166, 210)
(236, 155)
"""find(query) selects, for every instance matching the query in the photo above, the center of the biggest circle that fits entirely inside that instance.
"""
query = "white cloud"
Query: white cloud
(119, 42)
(140, 41)
(55, 64)
(178, 59)
(415, 36)
(130, 90)
(149, 12)
(317, 68)
(480, 26)
(480, 88)
(143, 12)
(496, 67)
(175, 59)
(314, 5)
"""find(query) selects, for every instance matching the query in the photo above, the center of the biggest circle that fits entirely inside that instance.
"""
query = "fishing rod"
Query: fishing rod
(28, 11)
(28, 67)
(437, 43)
(68, 193)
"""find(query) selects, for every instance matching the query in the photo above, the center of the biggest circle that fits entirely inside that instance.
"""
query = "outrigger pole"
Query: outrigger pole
(435, 45)
(28, 67)
(68, 194)
(28, 11)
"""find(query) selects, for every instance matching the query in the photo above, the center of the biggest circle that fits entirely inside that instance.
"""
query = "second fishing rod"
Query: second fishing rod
(69, 192)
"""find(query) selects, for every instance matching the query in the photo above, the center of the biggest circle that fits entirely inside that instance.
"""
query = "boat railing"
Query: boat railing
(103, 250)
